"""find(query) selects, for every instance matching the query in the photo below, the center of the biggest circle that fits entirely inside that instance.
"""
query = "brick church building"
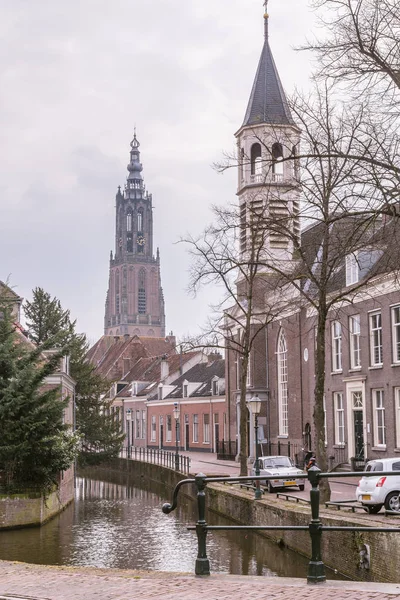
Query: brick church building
(135, 302)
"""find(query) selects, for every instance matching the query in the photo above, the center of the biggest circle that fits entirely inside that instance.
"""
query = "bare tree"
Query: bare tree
(248, 300)
(362, 43)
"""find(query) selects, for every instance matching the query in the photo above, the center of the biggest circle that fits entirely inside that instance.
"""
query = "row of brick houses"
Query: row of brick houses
(151, 379)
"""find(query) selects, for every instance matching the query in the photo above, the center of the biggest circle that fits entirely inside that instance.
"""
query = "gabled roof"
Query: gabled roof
(203, 374)
(268, 103)
(108, 353)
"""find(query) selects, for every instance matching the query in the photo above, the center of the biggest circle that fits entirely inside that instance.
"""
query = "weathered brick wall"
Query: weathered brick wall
(22, 511)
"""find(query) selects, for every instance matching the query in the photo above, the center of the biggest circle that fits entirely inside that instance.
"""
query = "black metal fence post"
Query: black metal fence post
(202, 562)
(316, 568)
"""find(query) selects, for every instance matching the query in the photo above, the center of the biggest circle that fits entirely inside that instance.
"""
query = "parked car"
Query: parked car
(374, 492)
(283, 468)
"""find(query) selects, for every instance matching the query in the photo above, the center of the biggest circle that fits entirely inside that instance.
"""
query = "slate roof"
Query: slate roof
(268, 103)
(203, 374)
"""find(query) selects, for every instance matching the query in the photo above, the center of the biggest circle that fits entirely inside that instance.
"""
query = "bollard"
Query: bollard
(316, 568)
(202, 563)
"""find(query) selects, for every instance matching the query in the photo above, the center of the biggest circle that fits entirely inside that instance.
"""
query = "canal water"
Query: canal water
(118, 523)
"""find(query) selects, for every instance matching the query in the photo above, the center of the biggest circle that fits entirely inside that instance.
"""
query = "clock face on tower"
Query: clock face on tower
(141, 240)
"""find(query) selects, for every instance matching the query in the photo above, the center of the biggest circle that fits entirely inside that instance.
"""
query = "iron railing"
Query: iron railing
(316, 568)
(155, 456)
(227, 449)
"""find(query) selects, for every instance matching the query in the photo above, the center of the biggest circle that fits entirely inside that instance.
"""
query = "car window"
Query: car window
(282, 461)
(374, 466)
(268, 464)
(396, 466)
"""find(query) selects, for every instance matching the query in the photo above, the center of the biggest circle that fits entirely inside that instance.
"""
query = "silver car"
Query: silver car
(281, 467)
(374, 492)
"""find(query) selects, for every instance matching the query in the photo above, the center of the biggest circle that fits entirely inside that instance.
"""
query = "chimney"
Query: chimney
(164, 367)
(171, 339)
(214, 356)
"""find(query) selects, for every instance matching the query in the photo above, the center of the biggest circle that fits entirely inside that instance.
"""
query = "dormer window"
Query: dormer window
(160, 392)
(352, 269)
(185, 389)
(215, 387)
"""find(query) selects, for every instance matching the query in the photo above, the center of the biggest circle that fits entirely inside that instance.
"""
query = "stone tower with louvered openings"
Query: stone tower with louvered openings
(267, 184)
(135, 302)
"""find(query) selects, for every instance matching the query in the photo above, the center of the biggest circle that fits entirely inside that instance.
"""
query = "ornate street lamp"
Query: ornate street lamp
(254, 405)
(176, 412)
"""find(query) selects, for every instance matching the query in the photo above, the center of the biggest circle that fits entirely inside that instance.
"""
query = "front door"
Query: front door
(358, 434)
(216, 436)
(161, 436)
(187, 436)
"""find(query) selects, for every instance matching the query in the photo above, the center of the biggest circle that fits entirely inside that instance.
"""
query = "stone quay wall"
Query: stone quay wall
(340, 550)
(20, 510)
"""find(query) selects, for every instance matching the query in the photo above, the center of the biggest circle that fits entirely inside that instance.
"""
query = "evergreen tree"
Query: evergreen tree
(35, 444)
(101, 435)
(45, 317)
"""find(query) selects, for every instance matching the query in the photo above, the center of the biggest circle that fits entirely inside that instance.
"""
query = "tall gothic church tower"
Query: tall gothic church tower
(267, 184)
(135, 302)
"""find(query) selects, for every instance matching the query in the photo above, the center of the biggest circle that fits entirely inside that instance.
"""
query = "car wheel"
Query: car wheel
(392, 502)
(373, 510)
(270, 488)
(301, 487)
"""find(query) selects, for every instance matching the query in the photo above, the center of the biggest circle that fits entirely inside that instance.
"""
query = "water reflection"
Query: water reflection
(117, 522)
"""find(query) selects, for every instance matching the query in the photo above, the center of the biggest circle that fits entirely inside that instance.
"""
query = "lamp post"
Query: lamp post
(176, 417)
(255, 408)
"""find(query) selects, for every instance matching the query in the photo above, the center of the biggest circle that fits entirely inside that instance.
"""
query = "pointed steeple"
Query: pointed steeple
(267, 102)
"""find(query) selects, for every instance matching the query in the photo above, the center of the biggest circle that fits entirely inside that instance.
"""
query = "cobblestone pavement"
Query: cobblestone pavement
(19, 581)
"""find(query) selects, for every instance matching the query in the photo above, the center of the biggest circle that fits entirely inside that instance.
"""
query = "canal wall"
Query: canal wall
(31, 510)
(340, 550)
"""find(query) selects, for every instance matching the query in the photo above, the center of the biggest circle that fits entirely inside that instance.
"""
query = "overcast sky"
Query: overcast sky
(75, 77)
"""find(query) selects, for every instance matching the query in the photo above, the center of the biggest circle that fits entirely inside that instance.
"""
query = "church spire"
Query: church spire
(268, 103)
(266, 17)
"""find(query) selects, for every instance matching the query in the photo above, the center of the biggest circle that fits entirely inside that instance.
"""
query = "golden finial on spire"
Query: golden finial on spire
(266, 17)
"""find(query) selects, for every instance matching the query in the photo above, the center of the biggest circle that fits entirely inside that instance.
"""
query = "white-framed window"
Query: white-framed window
(206, 428)
(396, 333)
(215, 387)
(397, 414)
(379, 418)
(375, 336)
(185, 389)
(282, 384)
(352, 268)
(325, 422)
(169, 428)
(336, 346)
(355, 346)
(153, 428)
(195, 428)
(143, 424)
(338, 404)
(137, 423)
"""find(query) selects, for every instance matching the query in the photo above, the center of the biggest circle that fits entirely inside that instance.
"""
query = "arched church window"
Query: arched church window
(142, 292)
(129, 221)
(140, 220)
(277, 159)
(282, 384)
(255, 159)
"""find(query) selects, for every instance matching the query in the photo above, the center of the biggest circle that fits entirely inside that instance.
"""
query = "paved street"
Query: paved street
(62, 583)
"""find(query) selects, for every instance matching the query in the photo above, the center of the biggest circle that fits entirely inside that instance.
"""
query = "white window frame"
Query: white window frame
(195, 429)
(143, 424)
(325, 421)
(352, 269)
(378, 402)
(340, 431)
(375, 339)
(355, 341)
(153, 428)
(137, 424)
(397, 414)
(282, 384)
(206, 428)
(336, 346)
(395, 311)
(215, 387)
(168, 434)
